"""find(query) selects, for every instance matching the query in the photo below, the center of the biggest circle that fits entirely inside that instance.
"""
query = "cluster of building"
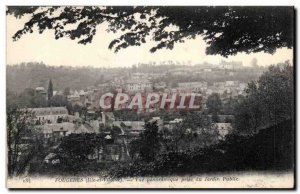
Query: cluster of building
(55, 123)
(91, 98)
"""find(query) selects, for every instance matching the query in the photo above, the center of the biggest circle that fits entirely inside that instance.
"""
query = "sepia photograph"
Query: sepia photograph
(150, 97)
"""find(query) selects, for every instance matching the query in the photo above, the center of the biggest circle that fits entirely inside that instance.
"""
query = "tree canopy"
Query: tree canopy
(268, 101)
(226, 30)
(214, 103)
(24, 142)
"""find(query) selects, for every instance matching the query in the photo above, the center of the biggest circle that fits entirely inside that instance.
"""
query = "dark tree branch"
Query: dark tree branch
(226, 30)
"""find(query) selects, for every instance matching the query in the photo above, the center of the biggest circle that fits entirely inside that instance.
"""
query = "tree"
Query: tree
(276, 90)
(28, 99)
(195, 121)
(38, 100)
(126, 115)
(229, 104)
(60, 101)
(134, 148)
(166, 135)
(74, 149)
(198, 123)
(268, 101)
(215, 118)
(23, 140)
(150, 144)
(226, 30)
(214, 104)
(196, 130)
(50, 90)
(116, 130)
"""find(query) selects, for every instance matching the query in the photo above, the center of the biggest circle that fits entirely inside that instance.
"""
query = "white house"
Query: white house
(193, 86)
(49, 114)
(134, 85)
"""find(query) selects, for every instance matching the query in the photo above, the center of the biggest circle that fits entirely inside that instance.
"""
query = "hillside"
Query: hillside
(32, 75)
(19, 77)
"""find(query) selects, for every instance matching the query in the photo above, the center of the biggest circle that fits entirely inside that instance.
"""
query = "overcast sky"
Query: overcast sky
(37, 47)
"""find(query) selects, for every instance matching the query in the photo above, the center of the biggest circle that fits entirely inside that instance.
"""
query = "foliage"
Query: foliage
(50, 90)
(148, 146)
(214, 103)
(24, 141)
(60, 101)
(195, 121)
(236, 153)
(226, 30)
(32, 75)
(134, 148)
(116, 130)
(276, 89)
(229, 104)
(270, 100)
(195, 131)
(74, 149)
(79, 146)
(126, 115)
(215, 118)
(28, 98)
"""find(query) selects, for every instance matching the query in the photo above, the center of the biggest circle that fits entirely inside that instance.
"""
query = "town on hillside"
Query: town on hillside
(150, 97)
(60, 114)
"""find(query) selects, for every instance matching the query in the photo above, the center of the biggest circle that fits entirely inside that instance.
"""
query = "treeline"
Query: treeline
(32, 75)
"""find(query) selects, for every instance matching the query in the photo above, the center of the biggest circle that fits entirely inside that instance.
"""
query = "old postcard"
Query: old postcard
(198, 97)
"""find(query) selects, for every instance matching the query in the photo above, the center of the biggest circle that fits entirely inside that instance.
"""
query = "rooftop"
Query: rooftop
(49, 110)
